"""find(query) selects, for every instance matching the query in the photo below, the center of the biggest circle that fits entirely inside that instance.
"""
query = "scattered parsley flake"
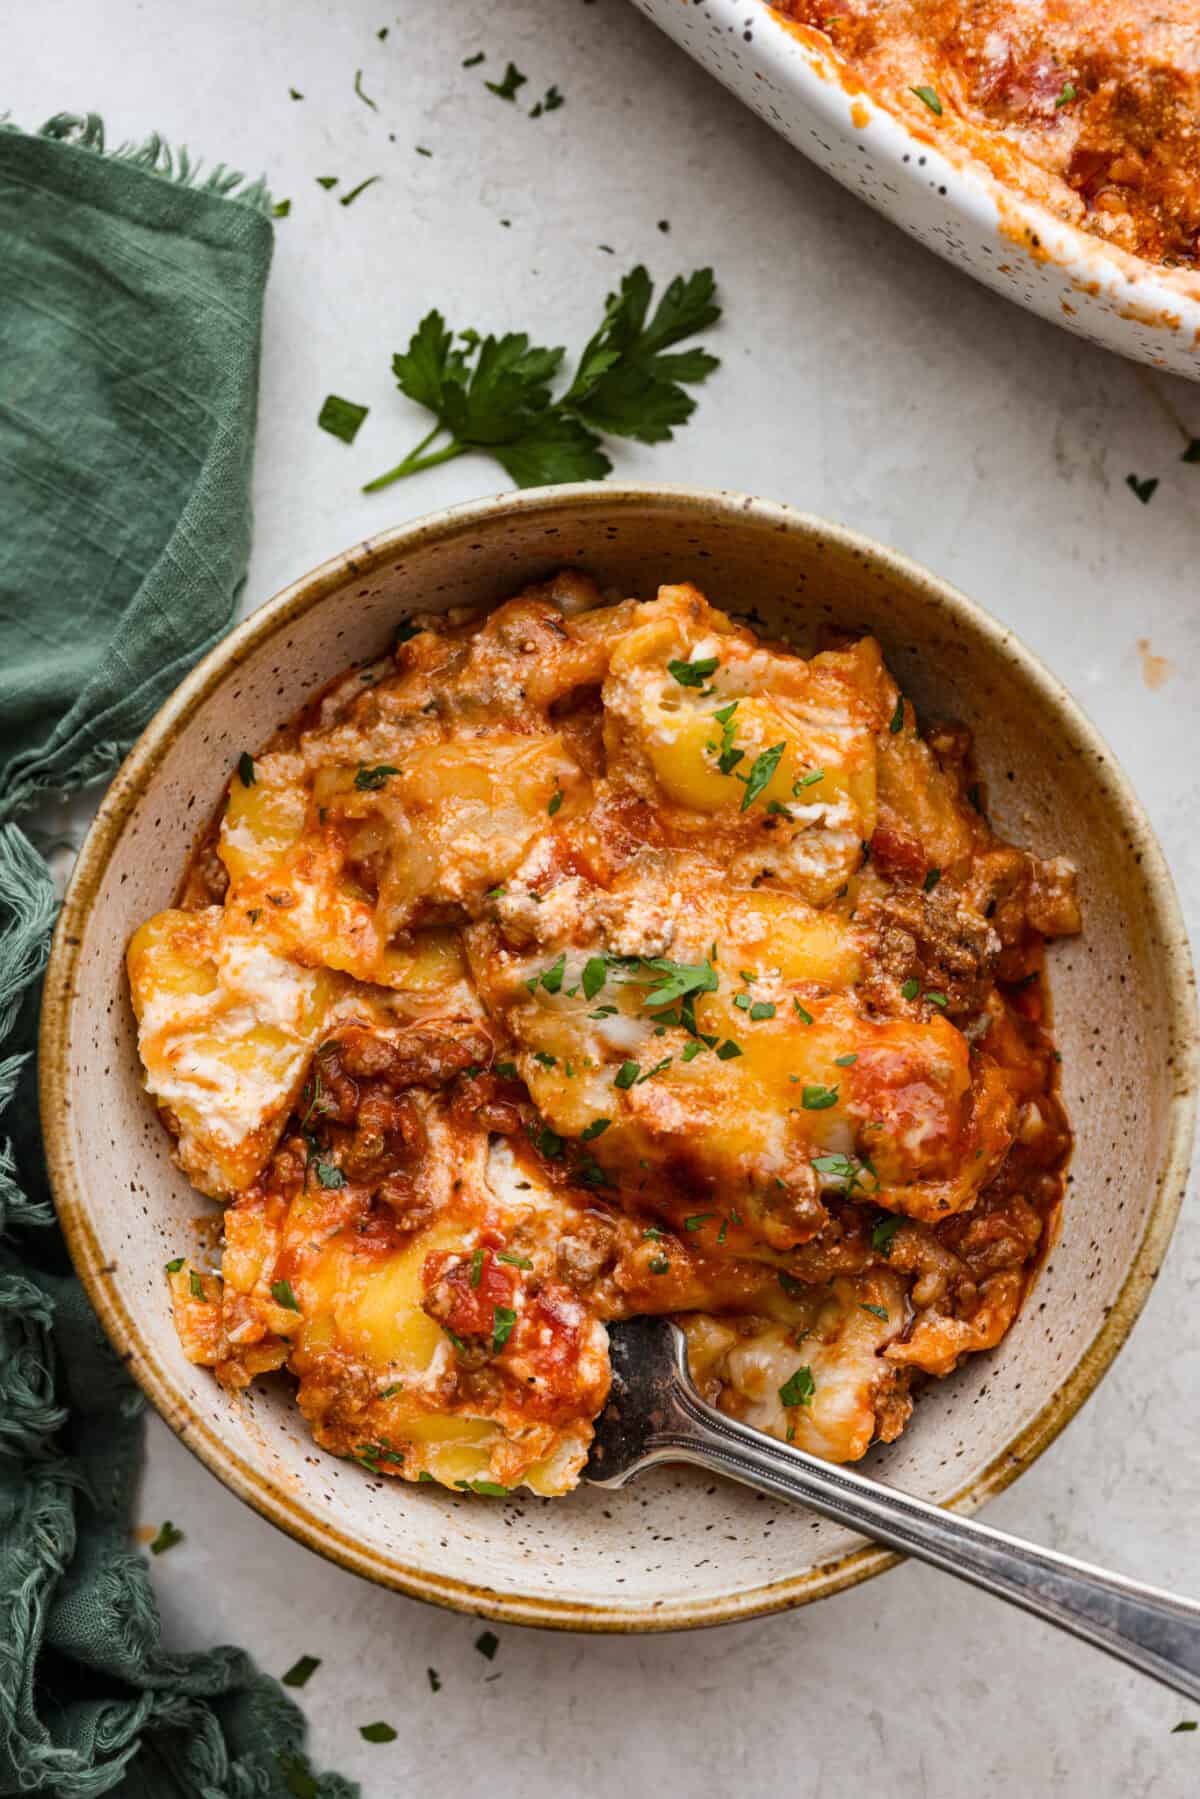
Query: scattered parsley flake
(435, 1680)
(596, 1128)
(626, 1075)
(937, 999)
(1068, 94)
(329, 1175)
(281, 209)
(341, 418)
(246, 773)
(476, 1273)
(691, 1051)
(503, 1319)
(1192, 453)
(818, 1098)
(807, 1017)
(370, 780)
(196, 1285)
(896, 722)
(175, 1265)
(728, 1050)
(549, 1143)
(762, 1008)
(697, 1219)
(301, 1671)
(930, 96)
(377, 1733)
(508, 1071)
(798, 1389)
(761, 770)
(742, 1001)
(422, 151)
(507, 89)
(658, 1265)
(883, 1230)
(910, 988)
(791, 1286)
(295, 93)
(809, 780)
(473, 62)
(880, 1312)
(1144, 490)
(327, 181)
(931, 879)
(552, 978)
(555, 801)
(358, 88)
(487, 1644)
(594, 976)
(281, 1293)
(514, 1261)
(166, 1538)
(352, 196)
(1184, 1724)
(491, 1488)
(845, 1061)
(694, 674)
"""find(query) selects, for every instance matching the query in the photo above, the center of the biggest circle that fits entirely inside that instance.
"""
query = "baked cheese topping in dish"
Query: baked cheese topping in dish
(1091, 107)
(585, 959)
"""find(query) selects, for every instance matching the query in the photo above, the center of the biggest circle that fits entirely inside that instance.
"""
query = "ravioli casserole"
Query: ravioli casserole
(586, 958)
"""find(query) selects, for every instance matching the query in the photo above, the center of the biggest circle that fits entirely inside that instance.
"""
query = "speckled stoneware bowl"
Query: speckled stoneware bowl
(941, 196)
(673, 1549)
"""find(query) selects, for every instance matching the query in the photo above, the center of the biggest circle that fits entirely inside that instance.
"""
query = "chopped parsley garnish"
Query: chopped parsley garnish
(494, 394)
(508, 1071)
(397, 1386)
(1184, 1724)
(762, 1008)
(727, 757)
(594, 976)
(166, 1538)
(281, 209)
(845, 1061)
(370, 780)
(1144, 490)
(327, 181)
(295, 93)
(473, 62)
(691, 1051)
(653, 1232)
(809, 780)
(281, 1293)
(880, 1312)
(791, 1286)
(930, 96)
(550, 101)
(658, 1265)
(341, 418)
(728, 1050)
(377, 1733)
(352, 196)
(807, 1017)
(549, 1143)
(847, 1170)
(555, 801)
(196, 1285)
(435, 1680)
(302, 1671)
(937, 999)
(487, 1643)
(657, 1069)
(677, 980)
(626, 1075)
(543, 1060)
(1192, 453)
(175, 1265)
(761, 770)
(896, 722)
(883, 1230)
(931, 879)
(507, 89)
(742, 1001)
(358, 88)
(798, 1389)
(694, 674)
(596, 1128)
(246, 773)
(503, 1319)
(329, 1175)
(552, 978)
(476, 1271)
(910, 988)
(506, 1255)
(697, 1219)
(818, 1098)
(1068, 94)
(491, 1488)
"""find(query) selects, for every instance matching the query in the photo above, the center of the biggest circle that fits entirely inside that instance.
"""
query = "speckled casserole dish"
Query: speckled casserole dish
(673, 1550)
(954, 169)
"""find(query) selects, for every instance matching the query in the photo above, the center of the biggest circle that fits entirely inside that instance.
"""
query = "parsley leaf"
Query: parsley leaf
(281, 1293)
(930, 97)
(341, 418)
(761, 770)
(694, 674)
(301, 1671)
(487, 1643)
(507, 89)
(377, 1733)
(678, 979)
(883, 1230)
(818, 1098)
(329, 1175)
(166, 1539)
(595, 1129)
(594, 976)
(799, 1388)
(246, 773)
(503, 1319)
(494, 394)
(370, 780)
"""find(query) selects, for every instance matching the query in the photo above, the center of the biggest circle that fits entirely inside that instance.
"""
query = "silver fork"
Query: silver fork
(655, 1414)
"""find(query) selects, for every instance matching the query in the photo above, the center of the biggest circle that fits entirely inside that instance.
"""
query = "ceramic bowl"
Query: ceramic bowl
(673, 1549)
(942, 197)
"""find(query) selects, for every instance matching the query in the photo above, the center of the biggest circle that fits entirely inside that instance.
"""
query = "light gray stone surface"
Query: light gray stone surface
(864, 380)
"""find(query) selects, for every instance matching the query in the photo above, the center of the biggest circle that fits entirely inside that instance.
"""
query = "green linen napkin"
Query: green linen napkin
(130, 316)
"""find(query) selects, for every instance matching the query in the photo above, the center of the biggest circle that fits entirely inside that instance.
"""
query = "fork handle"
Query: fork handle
(1154, 1631)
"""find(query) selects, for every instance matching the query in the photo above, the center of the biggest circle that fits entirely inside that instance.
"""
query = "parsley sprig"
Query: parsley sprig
(494, 394)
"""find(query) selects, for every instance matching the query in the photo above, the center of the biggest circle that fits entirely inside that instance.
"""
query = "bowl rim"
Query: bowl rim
(69, 1180)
